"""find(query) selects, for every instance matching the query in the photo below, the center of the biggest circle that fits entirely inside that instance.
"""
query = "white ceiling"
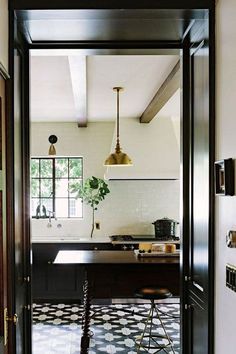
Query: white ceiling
(52, 97)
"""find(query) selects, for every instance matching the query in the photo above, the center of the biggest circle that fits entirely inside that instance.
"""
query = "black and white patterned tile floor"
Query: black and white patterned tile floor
(57, 328)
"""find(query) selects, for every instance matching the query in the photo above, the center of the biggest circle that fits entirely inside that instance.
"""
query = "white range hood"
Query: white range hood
(154, 149)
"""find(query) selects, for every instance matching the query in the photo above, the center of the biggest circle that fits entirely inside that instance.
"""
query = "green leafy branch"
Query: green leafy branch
(93, 191)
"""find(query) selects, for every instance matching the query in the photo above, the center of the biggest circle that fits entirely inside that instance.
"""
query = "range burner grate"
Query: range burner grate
(150, 238)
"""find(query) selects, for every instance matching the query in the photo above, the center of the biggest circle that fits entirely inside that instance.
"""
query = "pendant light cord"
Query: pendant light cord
(118, 115)
(118, 149)
(118, 158)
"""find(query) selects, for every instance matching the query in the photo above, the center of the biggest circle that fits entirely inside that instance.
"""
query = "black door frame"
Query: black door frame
(185, 154)
(4, 76)
(186, 161)
(17, 44)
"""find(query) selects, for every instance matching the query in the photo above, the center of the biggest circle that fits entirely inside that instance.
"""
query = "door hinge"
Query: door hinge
(27, 279)
(187, 278)
(13, 319)
(27, 307)
(188, 306)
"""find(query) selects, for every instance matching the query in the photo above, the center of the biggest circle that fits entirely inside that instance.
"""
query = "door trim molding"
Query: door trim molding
(111, 4)
(212, 140)
(209, 4)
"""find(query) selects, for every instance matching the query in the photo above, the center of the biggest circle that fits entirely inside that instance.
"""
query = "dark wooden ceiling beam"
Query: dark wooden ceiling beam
(164, 93)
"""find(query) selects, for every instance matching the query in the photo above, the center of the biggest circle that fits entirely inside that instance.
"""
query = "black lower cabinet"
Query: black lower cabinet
(53, 282)
(58, 282)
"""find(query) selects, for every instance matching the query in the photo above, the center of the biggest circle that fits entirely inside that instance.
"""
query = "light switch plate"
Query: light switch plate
(231, 277)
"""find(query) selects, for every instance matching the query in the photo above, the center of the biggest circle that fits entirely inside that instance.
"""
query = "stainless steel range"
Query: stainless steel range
(131, 239)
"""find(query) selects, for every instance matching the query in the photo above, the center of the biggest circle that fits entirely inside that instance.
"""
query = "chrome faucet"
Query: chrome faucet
(50, 215)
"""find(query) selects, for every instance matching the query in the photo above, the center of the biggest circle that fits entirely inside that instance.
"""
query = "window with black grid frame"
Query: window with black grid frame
(51, 179)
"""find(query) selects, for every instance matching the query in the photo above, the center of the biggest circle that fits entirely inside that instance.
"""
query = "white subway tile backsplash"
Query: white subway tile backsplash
(131, 207)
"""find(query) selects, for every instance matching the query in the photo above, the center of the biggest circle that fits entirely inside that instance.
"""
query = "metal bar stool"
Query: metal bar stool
(149, 340)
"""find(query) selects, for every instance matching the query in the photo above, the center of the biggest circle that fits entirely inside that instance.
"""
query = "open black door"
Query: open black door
(198, 154)
(4, 79)
(18, 221)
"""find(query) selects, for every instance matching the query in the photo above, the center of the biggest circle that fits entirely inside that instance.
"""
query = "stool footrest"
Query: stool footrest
(153, 342)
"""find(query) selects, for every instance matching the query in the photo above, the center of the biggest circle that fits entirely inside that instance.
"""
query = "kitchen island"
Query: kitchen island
(53, 283)
(63, 283)
(117, 274)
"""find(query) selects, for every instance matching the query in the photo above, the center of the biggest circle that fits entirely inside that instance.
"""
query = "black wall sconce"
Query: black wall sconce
(52, 140)
(224, 177)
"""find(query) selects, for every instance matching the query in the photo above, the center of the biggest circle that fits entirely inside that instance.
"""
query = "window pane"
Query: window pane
(75, 168)
(46, 188)
(44, 198)
(61, 167)
(35, 188)
(73, 184)
(61, 188)
(34, 168)
(61, 207)
(75, 208)
(46, 167)
(33, 206)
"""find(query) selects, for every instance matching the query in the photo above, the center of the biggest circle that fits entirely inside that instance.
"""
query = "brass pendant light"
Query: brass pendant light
(118, 158)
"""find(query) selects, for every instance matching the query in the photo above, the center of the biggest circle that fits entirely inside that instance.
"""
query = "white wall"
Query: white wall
(131, 206)
(93, 143)
(225, 309)
(153, 148)
(4, 33)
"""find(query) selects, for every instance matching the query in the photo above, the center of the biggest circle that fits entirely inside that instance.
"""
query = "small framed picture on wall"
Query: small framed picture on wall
(224, 177)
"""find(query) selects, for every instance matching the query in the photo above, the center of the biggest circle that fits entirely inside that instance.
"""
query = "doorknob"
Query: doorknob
(7, 319)
(13, 319)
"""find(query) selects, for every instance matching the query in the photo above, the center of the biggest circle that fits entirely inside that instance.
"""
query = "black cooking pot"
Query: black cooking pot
(165, 228)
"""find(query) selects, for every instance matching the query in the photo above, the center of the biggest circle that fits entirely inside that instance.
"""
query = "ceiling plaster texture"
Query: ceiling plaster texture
(52, 98)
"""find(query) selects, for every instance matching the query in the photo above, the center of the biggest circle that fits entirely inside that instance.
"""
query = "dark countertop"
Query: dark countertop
(109, 257)
(69, 240)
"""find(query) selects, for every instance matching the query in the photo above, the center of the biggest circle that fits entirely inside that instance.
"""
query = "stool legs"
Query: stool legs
(149, 340)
